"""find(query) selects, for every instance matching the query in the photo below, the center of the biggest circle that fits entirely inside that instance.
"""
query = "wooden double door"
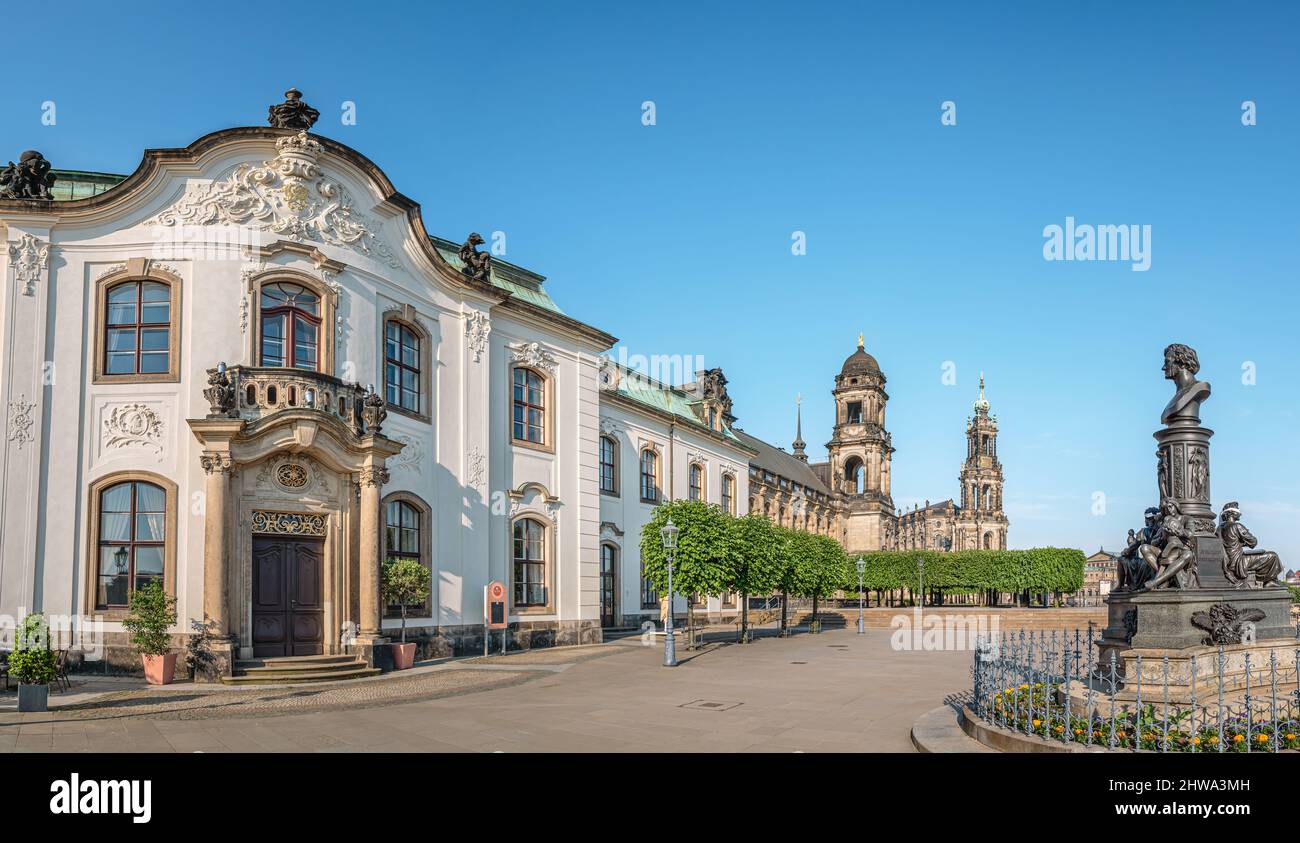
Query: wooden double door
(288, 597)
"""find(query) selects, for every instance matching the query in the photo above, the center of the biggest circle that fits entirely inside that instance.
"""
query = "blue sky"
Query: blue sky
(822, 118)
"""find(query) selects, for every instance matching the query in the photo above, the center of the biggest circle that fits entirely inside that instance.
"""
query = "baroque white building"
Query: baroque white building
(186, 357)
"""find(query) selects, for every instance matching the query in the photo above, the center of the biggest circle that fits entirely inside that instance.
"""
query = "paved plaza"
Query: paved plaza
(833, 692)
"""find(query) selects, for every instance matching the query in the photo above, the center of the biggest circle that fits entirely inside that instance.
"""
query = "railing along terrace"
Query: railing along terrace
(1053, 686)
(253, 392)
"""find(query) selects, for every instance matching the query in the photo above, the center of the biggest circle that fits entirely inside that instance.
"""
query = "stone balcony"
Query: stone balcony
(254, 393)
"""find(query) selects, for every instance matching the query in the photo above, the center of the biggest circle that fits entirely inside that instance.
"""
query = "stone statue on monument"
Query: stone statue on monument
(1177, 561)
(1245, 568)
(1138, 562)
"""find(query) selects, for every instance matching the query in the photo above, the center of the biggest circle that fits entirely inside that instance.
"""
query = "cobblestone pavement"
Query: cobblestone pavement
(837, 691)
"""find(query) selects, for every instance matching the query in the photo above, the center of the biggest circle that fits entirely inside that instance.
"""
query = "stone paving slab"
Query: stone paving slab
(833, 692)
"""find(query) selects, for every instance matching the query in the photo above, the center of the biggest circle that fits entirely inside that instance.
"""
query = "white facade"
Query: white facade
(214, 225)
(678, 441)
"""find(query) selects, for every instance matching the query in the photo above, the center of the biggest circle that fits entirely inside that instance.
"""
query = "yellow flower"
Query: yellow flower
(1290, 736)
(1261, 738)
(1078, 731)
(1196, 741)
(1038, 723)
(1238, 738)
(1060, 729)
(1214, 739)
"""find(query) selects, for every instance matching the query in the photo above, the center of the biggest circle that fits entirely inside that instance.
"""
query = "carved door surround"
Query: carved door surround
(296, 474)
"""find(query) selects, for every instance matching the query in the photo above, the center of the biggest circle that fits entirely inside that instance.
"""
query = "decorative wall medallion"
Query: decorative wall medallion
(287, 195)
(28, 256)
(477, 468)
(608, 375)
(133, 424)
(20, 421)
(412, 455)
(696, 456)
(288, 523)
(291, 475)
(477, 328)
(532, 354)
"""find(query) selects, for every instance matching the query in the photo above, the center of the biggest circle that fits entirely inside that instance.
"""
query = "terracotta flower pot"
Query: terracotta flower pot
(159, 670)
(403, 656)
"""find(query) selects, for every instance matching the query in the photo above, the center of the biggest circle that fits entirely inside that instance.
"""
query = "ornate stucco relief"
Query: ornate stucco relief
(288, 195)
(532, 354)
(28, 255)
(477, 328)
(21, 422)
(133, 425)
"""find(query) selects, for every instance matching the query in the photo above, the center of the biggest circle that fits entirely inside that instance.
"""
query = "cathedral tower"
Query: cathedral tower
(982, 523)
(860, 452)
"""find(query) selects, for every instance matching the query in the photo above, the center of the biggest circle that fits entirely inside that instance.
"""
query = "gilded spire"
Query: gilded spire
(859, 339)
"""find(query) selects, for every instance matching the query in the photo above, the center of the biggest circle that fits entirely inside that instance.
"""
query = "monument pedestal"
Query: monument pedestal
(1162, 619)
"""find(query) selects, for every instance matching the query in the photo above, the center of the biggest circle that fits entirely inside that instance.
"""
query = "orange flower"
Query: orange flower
(1238, 738)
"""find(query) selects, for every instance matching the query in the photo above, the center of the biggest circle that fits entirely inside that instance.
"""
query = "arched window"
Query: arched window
(137, 329)
(530, 562)
(988, 541)
(290, 326)
(608, 465)
(696, 488)
(649, 476)
(729, 494)
(855, 476)
(529, 406)
(401, 366)
(405, 538)
(132, 540)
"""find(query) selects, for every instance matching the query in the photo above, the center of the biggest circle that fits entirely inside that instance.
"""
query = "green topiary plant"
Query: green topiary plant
(32, 662)
(404, 582)
(150, 613)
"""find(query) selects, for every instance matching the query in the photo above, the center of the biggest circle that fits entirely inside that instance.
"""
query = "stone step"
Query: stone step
(295, 676)
(312, 662)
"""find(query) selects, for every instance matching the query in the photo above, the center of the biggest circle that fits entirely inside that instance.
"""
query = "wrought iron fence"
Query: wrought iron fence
(1054, 686)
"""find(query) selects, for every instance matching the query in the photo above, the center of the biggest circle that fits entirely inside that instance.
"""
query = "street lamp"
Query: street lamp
(862, 569)
(669, 534)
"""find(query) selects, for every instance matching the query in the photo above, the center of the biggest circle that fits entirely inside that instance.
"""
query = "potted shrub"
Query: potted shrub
(405, 582)
(33, 664)
(150, 614)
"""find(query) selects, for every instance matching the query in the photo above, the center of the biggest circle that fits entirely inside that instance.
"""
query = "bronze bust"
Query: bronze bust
(1181, 366)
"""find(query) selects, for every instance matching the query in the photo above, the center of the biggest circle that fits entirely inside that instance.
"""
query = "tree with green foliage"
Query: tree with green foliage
(1042, 569)
(751, 566)
(785, 549)
(33, 662)
(821, 567)
(404, 582)
(151, 613)
(700, 561)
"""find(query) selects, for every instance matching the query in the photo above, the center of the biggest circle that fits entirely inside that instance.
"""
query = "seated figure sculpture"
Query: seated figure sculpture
(1245, 568)
(1138, 563)
(1177, 561)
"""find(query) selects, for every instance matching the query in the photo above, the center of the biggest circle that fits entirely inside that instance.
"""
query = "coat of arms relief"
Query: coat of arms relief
(288, 195)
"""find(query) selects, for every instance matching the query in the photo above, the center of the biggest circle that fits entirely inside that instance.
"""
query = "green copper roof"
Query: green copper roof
(516, 280)
(79, 184)
(662, 397)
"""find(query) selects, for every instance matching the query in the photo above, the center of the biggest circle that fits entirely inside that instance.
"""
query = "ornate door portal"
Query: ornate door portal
(288, 601)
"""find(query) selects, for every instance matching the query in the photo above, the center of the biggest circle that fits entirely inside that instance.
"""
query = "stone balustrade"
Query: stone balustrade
(256, 392)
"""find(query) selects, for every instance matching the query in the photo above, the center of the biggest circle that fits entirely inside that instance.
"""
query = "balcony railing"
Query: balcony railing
(254, 393)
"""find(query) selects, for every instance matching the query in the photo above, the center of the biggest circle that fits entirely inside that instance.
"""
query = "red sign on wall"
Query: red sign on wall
(494, 605)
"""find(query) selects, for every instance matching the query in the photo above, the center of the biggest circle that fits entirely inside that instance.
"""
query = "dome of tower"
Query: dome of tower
(860, 363)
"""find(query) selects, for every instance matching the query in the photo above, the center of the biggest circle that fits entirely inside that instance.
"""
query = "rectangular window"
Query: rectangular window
(649, 477)
(649, 597)
(528, 420)
(608, 481)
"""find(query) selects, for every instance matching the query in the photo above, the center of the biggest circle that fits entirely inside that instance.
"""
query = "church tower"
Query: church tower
(982, 523)
(860, 452)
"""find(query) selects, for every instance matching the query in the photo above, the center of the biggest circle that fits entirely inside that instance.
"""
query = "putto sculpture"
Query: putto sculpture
(477, 264)
(30, 178)
(293, 113)
(1245, 568)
